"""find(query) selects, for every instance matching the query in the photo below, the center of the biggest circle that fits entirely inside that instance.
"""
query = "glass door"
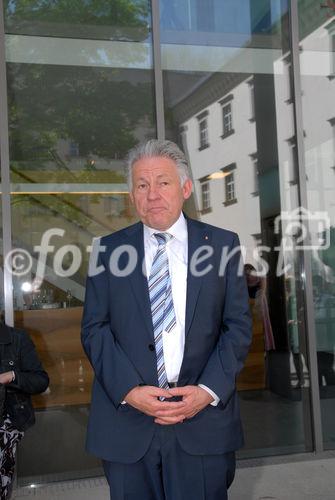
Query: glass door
(229, 103)
(317, 62)
(80, 94)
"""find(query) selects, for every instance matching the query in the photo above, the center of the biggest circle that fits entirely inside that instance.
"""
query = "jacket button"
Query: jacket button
(151, 347)
(11, 363)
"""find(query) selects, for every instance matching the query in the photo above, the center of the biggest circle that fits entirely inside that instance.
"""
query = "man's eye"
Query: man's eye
(164, 183)
(141, 186)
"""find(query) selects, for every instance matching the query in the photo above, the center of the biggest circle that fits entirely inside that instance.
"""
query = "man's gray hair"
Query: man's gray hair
(157, 147)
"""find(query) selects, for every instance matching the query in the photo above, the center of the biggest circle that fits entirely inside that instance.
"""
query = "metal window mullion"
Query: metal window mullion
(158, 72)
(5, 176)
(306, 256)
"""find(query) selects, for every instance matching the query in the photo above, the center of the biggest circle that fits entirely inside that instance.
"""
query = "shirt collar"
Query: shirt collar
(178, 230)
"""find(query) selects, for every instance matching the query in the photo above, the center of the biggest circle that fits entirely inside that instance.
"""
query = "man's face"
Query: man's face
(157, 193)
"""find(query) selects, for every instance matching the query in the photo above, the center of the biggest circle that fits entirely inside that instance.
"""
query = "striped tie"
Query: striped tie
(162, 309)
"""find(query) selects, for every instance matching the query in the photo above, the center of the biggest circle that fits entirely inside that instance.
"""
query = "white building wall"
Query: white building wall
(243, 216)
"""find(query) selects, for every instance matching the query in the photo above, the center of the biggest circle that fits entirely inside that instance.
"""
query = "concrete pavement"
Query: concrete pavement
(301, 477)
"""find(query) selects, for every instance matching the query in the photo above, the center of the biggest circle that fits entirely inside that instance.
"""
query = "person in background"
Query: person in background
(293, 330)
(21, 375)
(166, 341)
(257, 293)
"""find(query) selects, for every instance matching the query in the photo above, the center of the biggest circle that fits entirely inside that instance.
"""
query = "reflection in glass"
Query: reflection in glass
(82, 123)
(215, 16)
(80, 95)
(57, 230)
(106, 19)
(66, 223)
(231, 95)
(316, 25)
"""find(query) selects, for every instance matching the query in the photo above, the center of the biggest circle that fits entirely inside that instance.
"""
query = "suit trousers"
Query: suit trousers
(167, 472)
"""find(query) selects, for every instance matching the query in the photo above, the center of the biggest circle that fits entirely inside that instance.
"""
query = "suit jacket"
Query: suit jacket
(117, 335)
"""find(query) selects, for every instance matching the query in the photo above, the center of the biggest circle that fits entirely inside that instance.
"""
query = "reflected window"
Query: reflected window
(227, 116)
(227, 119)
(203, 130)
(205, 196)
(230, 187)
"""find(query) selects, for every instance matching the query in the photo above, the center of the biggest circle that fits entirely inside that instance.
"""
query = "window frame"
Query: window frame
(203, 134)
(206, 206)
(229, 180)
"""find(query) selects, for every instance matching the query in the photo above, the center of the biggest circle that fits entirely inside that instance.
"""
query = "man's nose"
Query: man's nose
(153, 193)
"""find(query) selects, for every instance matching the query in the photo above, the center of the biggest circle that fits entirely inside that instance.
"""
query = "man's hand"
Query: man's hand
(195, 399)
(145, 399)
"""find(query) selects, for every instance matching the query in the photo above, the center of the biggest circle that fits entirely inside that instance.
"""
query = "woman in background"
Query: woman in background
(21, 374)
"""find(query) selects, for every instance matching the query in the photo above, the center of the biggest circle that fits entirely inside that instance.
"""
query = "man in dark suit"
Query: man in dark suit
(166, 327)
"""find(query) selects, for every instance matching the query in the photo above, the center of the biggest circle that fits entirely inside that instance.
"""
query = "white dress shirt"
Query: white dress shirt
(177, 252)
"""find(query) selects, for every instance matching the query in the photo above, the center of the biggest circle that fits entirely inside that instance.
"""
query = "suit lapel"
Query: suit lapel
(197, 237)
(138, 279)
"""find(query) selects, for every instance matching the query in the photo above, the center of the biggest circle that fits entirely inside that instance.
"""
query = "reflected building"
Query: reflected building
(222, 148)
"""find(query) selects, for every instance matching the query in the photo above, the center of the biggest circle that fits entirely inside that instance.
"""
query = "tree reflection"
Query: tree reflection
(98, 109)
(102, 19)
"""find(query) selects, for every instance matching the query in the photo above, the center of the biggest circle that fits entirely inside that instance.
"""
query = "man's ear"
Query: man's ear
(131, 196)
(187, 188)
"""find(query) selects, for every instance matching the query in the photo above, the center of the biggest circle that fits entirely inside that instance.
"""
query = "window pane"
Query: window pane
(203, 133)
(318, 106)
(228, 59)
(103, 20)
(75, 108)
(227, 119)
(206, 202)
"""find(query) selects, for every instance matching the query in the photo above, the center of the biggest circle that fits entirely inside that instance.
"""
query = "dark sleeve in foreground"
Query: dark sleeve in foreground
(30, 377)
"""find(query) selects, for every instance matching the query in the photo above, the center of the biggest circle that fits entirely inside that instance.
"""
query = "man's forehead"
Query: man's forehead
(158, 168)
(158, 175)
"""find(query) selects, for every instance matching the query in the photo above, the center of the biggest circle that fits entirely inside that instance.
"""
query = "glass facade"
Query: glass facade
(247, 90)
(228, 67)
(317, 35)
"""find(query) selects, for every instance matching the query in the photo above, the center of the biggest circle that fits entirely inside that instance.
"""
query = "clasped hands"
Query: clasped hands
(145, 399)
